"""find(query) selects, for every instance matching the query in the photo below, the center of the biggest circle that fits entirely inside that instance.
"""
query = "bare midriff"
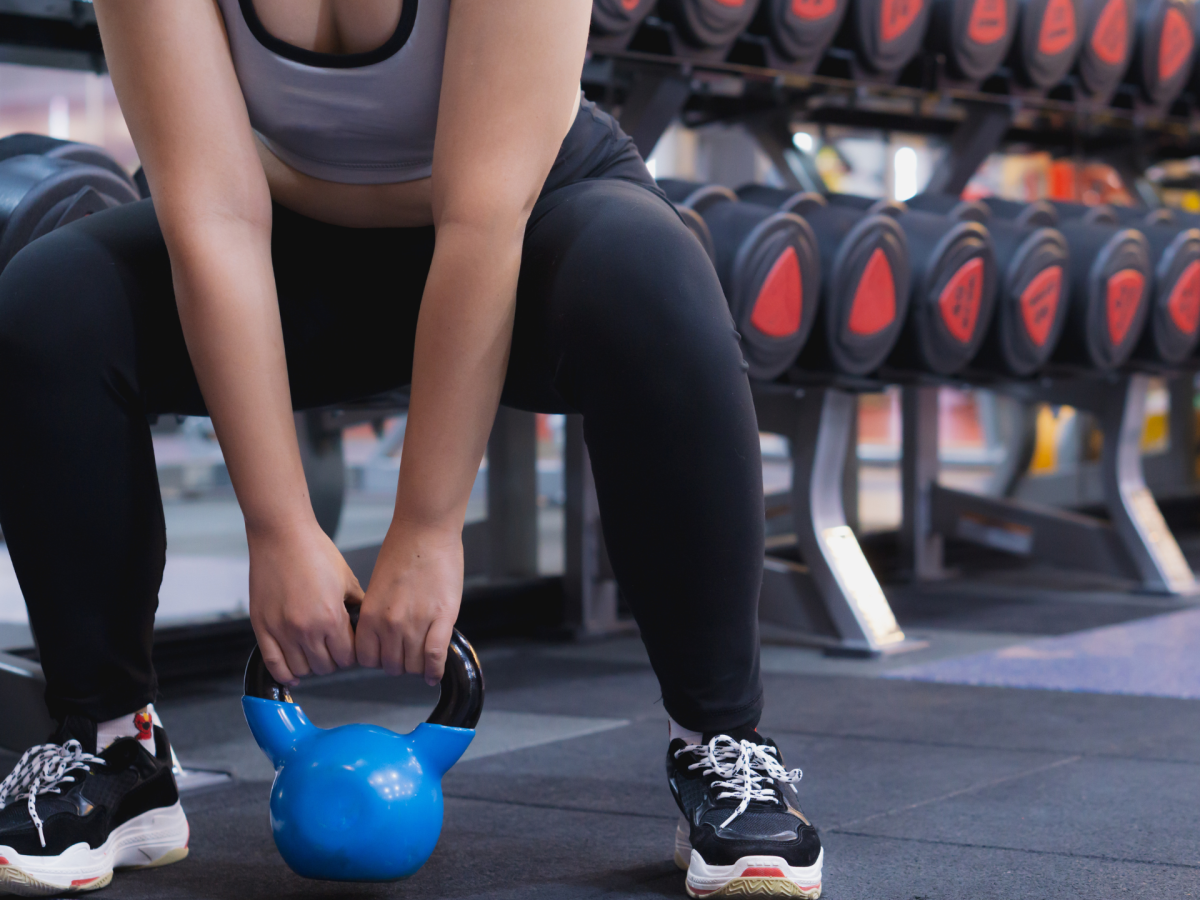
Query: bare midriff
(405, 204)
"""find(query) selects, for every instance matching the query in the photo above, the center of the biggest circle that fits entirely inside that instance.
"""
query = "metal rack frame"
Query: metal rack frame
(1134, 543)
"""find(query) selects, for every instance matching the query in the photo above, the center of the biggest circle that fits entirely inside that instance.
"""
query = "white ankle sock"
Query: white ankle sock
(138, 725)
(675, 730)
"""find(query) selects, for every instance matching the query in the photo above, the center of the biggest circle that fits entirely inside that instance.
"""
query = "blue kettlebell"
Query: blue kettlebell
(360, 802)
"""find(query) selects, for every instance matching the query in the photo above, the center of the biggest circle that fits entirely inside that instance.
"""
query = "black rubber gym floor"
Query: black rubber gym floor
(922, 791)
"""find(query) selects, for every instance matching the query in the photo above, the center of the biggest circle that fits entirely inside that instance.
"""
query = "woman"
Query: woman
(349, 196)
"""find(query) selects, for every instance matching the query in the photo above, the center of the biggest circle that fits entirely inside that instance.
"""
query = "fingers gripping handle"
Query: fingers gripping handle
(460, 703)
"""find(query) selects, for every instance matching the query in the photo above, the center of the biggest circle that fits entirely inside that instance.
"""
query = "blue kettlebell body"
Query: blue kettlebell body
(360, 802)
(355, 803)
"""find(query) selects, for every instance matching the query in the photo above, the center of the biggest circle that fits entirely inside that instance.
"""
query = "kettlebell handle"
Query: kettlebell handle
(459, 705)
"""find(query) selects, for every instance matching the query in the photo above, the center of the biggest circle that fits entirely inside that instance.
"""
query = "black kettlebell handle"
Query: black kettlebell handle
(459, 705)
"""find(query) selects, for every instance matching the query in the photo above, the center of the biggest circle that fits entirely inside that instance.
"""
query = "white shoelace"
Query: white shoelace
(43, 770)
(741, 767)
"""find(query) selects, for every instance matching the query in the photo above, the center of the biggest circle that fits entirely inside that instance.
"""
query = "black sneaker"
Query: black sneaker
(742, 831)
(69, 816)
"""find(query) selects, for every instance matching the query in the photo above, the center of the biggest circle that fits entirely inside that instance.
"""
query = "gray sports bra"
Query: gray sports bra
(355, 118)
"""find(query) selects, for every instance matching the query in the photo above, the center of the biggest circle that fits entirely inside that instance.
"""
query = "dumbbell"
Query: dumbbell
(973, 35)
(39, 192)
(1036, 214)
(53, 148)
(884, 34)
(1171, 334)
(1098, 214)
(1162, 50)
(798, 32)
(1109, 287)
(1104, 53)
(953, 287)
(696, 225)
(706, 29)
(865, 288)
(1139, 216)
(1194, 78)
(615, 21)
(769, 268)
(1047, 42)
(1031, 303)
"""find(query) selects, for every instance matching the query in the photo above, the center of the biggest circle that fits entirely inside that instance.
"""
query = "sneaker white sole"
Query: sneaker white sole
(750, 876)
(154, 838)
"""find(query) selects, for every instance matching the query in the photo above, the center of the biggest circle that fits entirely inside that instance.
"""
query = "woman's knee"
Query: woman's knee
(56, 305)
(635, 285)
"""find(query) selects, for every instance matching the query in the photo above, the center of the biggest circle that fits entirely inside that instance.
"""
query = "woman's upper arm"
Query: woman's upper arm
(172, 71)
(509, 82)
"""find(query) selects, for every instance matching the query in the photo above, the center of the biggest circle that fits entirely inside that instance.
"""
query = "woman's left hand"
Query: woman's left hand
(408, 615)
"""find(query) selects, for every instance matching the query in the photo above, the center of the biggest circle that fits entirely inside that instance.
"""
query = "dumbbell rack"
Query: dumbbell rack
(1134, 544)
(818, 588)
(650, 90)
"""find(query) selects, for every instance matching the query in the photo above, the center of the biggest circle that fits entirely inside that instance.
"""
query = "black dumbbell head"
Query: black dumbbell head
(866, 289)
(615, 17)
(1047, 41)
(885, 34)
(1163, 50)
(1031, 301)
(53, 148)
(1101, 214)
(1171, 334)
(800, 31)
(694, 194)
(708, 24)
(865, 284)
(1107, 46)
(973, 35)
(1139, 216)
(953, 292)
(949, 205)
(695, 223)
(1038, 214)
(770, 269)
(1110, 286)
(41, 193)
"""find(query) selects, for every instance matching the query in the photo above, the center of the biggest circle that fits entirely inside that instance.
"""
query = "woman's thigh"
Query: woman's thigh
(614, 289)
(97, 296)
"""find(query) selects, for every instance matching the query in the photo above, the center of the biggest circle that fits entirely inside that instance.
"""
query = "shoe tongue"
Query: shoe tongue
(741, 733)
(77, 728)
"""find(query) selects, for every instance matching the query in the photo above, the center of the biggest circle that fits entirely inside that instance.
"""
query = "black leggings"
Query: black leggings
(619, 317)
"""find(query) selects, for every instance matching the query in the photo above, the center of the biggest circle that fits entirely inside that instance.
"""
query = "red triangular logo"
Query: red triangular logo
(1039, 304)
(874, 306)
(1175, 43)
(960, 299)
(1110, 37)
(1058, 28)
(895, 17)
(1124, 297)
(780, 302)
(989, 21)
(1184, 303)
(813, 9)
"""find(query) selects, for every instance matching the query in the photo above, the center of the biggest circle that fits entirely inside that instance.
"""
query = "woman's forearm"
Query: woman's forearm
(460, 357)
(225, 290)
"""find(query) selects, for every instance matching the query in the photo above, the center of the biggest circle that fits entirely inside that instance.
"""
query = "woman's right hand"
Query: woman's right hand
(299, 587)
